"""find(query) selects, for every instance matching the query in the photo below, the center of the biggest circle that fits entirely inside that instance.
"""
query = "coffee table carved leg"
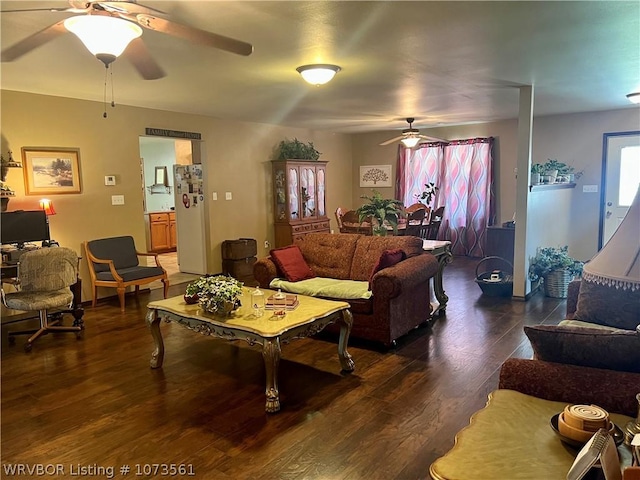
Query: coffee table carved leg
(346, 323)
(153, 322)
(438, 287)
(271, 354)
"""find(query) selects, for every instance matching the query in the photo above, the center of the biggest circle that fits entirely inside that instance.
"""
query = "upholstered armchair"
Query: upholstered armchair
(113, 262)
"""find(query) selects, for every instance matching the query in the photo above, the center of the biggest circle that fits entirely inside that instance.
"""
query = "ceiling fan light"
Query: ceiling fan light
(634, 97)
(318, 74)
(410, 142)
(104, 36)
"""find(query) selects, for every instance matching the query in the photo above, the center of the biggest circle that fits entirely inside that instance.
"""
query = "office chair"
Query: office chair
(44, 278)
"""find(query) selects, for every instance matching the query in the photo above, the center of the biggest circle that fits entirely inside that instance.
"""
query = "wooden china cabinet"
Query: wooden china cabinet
(299, 189)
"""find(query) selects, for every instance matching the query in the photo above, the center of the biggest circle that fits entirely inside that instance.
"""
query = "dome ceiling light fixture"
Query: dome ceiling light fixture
(318, 73)
(105, 36)
(634, 97)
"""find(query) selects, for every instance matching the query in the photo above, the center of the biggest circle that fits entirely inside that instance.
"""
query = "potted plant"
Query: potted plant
(381, 210)
(215, 293)
(537, 169)
(428, 194)
(555, 268)
(296, 150)
(552, 168)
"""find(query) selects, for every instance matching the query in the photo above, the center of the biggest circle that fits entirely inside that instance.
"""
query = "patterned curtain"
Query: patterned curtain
(462, 170)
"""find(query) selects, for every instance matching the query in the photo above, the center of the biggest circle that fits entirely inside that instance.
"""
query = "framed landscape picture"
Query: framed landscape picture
(375, 176)
(51, 171)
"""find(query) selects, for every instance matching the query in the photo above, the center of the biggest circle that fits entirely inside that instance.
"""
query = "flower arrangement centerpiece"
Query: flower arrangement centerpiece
(216, 293)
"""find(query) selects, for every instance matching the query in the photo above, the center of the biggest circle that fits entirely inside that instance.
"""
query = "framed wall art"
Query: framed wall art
(375, 176)
(51, 171)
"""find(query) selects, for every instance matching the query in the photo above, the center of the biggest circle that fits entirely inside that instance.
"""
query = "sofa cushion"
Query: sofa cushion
(324, 287)
(388, 258)
(291, 263)
(329, 255)
(130, 274)
(369, 249)
(588, 347)
(610, 305)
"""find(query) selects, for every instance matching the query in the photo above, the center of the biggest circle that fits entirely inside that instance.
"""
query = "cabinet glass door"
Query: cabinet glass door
(321, 191)
(308, 191)
(281, 195)
(294, 202)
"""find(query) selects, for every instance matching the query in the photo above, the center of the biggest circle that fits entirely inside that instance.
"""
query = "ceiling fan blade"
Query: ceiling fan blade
(32, 41)
(388, 142)
(195, 35)
(131, 7)
(433, 139)
(16, 10)
(138, 54)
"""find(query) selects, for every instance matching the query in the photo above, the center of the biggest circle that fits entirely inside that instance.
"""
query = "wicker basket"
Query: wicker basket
(501, 288)
(556, 283)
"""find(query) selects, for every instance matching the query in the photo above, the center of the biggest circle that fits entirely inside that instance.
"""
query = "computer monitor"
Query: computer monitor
(23, 226)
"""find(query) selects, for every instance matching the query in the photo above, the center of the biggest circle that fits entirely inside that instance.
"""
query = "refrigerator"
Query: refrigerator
(190, 220)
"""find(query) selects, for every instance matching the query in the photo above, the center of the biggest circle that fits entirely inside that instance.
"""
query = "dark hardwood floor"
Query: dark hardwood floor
(95, 402)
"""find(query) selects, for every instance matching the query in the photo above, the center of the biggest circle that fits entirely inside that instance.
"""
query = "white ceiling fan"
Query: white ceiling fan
(411, 137)
(103, 21)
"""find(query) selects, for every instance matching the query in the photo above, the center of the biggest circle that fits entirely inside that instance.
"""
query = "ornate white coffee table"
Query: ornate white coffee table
(311, 316)
(441, 249)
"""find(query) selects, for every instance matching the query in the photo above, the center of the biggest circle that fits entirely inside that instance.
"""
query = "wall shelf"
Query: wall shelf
(552, 186)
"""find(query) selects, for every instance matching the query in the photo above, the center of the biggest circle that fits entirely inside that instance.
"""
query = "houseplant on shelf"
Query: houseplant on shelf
(218, 294)
(381, 210)
(537, 169)
(556, 269)
(296, 150)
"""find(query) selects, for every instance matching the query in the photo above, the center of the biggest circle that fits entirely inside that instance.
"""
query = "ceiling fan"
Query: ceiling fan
(411, 137)
(127, 15)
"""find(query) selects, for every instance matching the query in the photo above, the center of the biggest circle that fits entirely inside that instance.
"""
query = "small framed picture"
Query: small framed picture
(51, 171)
(375, 176)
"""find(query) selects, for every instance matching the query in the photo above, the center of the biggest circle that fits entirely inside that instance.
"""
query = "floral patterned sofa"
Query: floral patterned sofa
(400, 294)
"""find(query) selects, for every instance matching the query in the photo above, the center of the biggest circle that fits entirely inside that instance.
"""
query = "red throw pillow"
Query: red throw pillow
(388, 259)
(291, 262)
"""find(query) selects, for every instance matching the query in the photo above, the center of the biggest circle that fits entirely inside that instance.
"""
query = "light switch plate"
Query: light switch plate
(109, 179)
(227, 196)
(117, 199)
(214, 195)
(590, 189)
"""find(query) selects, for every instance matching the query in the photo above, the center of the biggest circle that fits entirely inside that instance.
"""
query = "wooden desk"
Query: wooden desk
(441, 249)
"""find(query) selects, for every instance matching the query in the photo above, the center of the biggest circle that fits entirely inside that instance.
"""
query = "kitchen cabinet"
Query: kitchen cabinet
(162, 231)
(299, 199)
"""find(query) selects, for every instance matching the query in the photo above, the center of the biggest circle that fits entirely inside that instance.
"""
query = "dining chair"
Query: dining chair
(351, 224)
(415, 222)
(431, 229)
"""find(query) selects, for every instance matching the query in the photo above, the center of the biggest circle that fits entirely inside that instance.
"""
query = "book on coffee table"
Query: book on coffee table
(291, 299)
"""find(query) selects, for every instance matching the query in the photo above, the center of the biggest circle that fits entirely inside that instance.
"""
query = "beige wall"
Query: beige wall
(575, 139)
(237, 160)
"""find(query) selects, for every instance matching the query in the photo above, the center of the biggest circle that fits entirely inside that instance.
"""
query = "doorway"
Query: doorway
(620, 180)
(159, 155)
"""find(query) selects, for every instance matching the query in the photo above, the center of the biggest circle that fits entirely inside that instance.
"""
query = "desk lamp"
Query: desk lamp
(47, 206)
